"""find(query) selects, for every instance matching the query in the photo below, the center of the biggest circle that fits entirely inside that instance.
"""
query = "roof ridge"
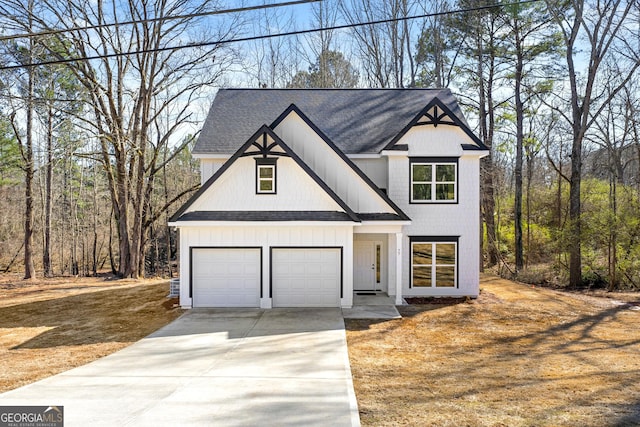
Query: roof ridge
(416, 89)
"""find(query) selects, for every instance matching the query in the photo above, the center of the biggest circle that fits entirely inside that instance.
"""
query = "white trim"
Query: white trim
(384, 228)
(399, 299)
(388, 223)
(364, 156)
(475, 154)
(192, 224)
(394, 153)
(388, 226)
(211, 156)
(466, 153)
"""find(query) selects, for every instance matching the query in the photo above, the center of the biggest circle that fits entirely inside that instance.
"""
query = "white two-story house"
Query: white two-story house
(311, 195)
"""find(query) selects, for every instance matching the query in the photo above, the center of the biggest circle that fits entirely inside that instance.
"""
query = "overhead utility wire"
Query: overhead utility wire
(164, 18)
(265, 36)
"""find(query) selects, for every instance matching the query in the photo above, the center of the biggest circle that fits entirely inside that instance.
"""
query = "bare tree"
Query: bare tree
(436, 53)
(272, 62)
(133, 76)
(25, 53)
(330, 70)
(324, 15)
(384, 50)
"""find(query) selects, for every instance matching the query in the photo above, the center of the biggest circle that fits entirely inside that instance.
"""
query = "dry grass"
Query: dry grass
(48, 326)
(517, 356)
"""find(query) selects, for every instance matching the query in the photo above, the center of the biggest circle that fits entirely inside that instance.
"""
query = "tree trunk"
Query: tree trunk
(112, 259)
(29, 268)
(530, 164)
(517, 209)
(46, 252)
(575, 209)
(94, 245)
(613, 236)
(486, 131)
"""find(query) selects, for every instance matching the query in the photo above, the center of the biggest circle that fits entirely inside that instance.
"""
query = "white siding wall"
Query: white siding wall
(266, 237)
(329, 166)
(461, 219)
(375, 169)
(236, 190)
(429, 141)
(208, 167)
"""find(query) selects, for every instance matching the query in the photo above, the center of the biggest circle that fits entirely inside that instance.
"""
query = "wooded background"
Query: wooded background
(100, 103)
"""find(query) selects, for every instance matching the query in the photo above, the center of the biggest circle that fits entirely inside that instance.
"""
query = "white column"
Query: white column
(266, 301)
(183, 238)
(347, 270)
(398, 268)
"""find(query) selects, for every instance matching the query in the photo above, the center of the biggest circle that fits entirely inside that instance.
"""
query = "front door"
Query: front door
(366, 266)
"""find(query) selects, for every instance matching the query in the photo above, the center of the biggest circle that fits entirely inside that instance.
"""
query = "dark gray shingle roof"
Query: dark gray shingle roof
(356, 120)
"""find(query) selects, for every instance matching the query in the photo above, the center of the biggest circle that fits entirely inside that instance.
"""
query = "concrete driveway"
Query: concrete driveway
(222, 367)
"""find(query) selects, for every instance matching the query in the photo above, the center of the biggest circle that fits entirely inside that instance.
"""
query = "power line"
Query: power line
(165, 18)
(265, 36)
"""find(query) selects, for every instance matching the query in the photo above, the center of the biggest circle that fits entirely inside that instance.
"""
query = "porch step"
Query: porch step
(371, 312)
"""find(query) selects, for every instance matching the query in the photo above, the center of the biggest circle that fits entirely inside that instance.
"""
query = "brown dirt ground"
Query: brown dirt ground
(516, 356)
(48, 326)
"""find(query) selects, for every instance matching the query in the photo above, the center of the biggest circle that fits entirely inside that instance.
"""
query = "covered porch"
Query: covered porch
(377, 270)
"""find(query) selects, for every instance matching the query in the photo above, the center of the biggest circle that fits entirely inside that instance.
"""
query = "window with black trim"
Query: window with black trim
(434, 262)
(265, 175)
(434, 180)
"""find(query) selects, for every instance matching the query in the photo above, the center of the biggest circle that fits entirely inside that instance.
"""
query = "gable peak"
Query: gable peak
(264, 143)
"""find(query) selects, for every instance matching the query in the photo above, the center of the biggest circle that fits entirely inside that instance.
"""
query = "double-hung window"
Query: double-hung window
(265, 176)
(434, 180)
(434, 262)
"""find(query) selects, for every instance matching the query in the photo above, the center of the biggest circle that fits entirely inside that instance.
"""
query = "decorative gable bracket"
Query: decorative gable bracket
(265, 148)
(436, 117)
(436, 113)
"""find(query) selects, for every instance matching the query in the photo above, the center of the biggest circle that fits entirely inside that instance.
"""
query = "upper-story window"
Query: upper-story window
(434, 180)
(265, 176)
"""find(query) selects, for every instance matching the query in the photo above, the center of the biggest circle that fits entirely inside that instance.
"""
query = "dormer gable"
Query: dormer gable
(265, 176)
(435, 114)
(333, 166)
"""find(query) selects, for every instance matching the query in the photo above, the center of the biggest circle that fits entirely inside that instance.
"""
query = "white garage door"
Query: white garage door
(304, 277)
(225, 277)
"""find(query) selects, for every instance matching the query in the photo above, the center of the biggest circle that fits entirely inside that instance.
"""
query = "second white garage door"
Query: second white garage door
(226, 277)
(306, 277)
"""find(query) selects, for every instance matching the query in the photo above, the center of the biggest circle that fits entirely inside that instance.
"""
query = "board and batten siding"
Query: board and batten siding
(440, 219)
(208, 167)
(267, 236)
(235, 190)
(375, 169)
(320, 157)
